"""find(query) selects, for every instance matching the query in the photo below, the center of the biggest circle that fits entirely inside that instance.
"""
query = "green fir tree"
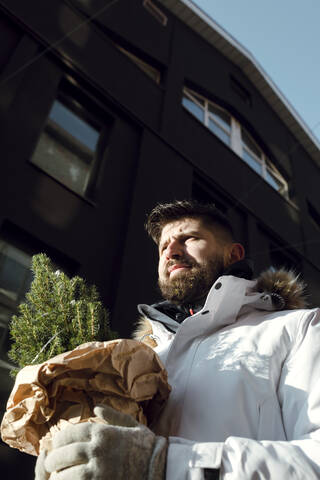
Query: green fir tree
(59, 314)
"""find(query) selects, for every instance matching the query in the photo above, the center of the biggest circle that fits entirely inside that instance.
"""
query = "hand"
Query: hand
(123, 449)
(40, 471)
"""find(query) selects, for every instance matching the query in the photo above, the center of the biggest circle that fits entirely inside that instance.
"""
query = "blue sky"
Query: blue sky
(284, 37)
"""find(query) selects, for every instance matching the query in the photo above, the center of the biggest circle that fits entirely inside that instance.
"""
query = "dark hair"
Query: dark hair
(164, 213)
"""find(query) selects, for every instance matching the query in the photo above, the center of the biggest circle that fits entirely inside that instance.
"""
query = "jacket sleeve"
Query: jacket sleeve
(297, 458)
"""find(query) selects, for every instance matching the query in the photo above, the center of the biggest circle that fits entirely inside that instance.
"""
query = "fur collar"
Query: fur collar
(143, 332)
(284, 286)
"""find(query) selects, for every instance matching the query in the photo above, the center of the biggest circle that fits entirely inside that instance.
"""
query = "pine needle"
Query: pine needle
(58, 315)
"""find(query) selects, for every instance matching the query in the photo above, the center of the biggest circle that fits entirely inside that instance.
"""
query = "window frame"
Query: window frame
(9, 305)
(73, 98)
(236, 140)
(10, 251)
(149, 70)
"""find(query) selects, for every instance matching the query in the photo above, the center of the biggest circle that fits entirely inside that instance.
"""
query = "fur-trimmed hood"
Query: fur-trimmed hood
(285, 284)
(286, 290)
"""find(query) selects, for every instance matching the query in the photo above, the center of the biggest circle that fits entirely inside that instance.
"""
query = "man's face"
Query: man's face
(191, 258)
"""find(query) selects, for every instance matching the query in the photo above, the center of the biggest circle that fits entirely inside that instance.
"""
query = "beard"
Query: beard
(192, 284)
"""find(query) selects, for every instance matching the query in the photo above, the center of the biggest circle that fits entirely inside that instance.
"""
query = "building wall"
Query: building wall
(150, 149)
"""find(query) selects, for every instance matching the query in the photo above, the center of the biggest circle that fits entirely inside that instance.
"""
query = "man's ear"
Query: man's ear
(235, 252)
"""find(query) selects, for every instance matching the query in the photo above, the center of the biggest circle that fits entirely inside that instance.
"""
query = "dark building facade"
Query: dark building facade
(108, 107)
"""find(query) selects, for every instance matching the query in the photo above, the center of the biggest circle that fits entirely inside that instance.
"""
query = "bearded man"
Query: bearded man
(243, 361)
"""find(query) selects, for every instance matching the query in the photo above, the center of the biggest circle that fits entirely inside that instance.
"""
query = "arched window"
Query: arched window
(233, 134)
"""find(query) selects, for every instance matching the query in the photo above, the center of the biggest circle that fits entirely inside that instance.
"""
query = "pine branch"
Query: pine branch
(59, 314)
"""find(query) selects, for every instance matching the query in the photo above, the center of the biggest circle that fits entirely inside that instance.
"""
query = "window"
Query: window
(155, 12)
(16, 249)
(152, 72)
(15, 280)
(15, 273)
(215, 118)
(235, 136)
(256, 159)
(5, 316)
(67, 147)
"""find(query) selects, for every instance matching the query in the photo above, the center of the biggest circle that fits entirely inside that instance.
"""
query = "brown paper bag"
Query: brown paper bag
(125, 374)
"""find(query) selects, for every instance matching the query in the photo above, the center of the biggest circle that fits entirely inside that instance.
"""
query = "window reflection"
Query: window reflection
(66, 148)
(221, 117)
(15, 274)
(194, 108)
(252, 161)
(15, 280)
(233, 134)
(217, 130)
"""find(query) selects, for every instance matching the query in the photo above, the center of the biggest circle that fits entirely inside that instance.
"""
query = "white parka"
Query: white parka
(245, 386)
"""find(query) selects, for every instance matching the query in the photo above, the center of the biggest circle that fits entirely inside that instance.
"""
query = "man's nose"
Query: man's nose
(174, 249)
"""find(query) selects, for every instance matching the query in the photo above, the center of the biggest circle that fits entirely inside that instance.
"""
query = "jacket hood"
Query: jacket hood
(283, 287)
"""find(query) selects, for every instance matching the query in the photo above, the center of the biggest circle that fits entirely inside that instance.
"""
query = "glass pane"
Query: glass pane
(148, 69)
(66, 148)
(250, 144)
(193, 108)
(61, 163)
(12, 252)
(5, 317)
(15, 274)
(252, 161)
(5, 344)
(222, 117)
(197, 98)
(273, 181)
(219, 132)
(74, 125)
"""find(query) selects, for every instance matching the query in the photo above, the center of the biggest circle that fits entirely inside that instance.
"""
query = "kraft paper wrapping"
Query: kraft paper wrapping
(125, 374)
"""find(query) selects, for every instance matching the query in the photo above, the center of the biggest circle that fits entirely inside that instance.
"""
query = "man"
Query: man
(243, 361)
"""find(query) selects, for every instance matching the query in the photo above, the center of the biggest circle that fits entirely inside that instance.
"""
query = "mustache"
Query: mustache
(183, 260)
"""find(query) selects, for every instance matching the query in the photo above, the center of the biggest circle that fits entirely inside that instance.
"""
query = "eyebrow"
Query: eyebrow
(192, 233)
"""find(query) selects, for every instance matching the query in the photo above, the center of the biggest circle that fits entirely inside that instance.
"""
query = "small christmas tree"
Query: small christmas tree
(64, 319)
(59, 314)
